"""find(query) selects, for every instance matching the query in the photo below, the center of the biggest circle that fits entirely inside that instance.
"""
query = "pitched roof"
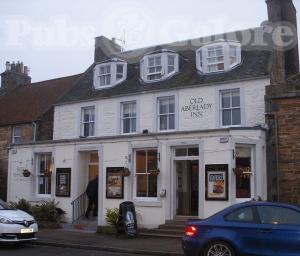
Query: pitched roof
(28, 103)
(256, 63)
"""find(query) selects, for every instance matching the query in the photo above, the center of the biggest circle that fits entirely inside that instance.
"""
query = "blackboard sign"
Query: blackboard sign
(127, 219)
(63, 182)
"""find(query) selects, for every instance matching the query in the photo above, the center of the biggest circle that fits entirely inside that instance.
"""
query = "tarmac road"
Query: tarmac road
(34, 250)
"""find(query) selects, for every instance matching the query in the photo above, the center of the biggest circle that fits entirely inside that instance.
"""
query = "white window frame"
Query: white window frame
(131, 117)
(114, 80)
(106, 75)
(202, 56)
(159, 99)
(221, 109)
(39, 174)
(145, 199)
(90, 122)
(16, 137)
(164, 55)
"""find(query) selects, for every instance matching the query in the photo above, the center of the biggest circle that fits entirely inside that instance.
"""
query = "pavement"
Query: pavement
(109, 242)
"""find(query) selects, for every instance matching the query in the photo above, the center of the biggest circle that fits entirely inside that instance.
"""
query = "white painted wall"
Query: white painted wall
(67, 118)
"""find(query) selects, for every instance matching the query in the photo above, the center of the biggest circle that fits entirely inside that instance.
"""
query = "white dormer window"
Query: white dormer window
(109, 73)
(159, 66)
(218, 56)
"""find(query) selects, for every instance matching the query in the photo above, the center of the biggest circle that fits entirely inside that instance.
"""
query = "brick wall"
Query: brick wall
(288, 121)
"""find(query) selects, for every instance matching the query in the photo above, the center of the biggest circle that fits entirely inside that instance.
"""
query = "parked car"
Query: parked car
(16, 225)
(251, 228)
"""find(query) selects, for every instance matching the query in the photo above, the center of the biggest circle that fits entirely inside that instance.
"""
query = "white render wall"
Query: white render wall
(67, 118)
(112, 153)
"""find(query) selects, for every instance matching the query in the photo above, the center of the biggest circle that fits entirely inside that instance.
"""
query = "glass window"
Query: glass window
(88, 121)
(44, 171)
(146, 182)
(171, 63)
(230, 107)
(241, 215)
(16, 136)
(215, 59)
(128, 117)
(166, 113)
(105, 75)
(119, 74)
(278, 215)
(243, 172)
(154, 67)
(192, 151)
(232, 54)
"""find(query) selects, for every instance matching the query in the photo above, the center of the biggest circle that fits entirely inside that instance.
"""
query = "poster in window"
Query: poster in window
(216, 182)
(63, 182)
(114, 183)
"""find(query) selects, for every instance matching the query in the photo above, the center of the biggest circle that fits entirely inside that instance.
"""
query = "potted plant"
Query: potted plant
(154, 172)
(126, 172)
(26, 173)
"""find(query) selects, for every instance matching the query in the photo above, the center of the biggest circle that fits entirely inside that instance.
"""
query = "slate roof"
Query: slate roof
(28, 103)
(256, 63)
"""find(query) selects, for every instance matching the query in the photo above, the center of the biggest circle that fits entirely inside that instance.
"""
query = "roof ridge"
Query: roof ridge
(57, 78)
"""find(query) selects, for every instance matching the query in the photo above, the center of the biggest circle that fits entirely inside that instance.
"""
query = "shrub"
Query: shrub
(22, 205)
(112, 216)
(47, 211)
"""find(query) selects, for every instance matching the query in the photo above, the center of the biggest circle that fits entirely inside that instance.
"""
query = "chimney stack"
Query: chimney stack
(285, 61)
(105, 48)
(14, 75)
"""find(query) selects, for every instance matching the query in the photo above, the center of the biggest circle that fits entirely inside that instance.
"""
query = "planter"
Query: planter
(26, 173)
(154, 172)
(126, 172)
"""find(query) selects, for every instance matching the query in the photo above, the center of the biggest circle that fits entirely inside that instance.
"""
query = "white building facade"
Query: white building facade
(191, 149)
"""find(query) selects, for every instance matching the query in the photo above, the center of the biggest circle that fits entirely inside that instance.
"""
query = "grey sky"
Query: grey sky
(56, 37)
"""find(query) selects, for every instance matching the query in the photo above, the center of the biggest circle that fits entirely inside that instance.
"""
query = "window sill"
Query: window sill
(147, 203)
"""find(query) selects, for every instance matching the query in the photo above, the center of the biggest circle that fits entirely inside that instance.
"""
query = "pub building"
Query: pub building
(177, 129)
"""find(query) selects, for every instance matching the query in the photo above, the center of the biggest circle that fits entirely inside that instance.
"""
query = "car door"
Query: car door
(284, 223)
(248, 238)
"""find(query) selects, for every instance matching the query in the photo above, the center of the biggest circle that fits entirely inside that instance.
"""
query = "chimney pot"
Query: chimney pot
(7, 66)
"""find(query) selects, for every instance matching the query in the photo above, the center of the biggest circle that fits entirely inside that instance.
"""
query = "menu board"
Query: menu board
(63, 182)
(216, 182)
(114, 182)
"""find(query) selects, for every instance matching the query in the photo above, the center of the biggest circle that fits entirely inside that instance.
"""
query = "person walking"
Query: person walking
(92, 194)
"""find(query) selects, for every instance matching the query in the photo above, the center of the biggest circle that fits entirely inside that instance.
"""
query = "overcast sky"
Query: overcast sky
(56, 37)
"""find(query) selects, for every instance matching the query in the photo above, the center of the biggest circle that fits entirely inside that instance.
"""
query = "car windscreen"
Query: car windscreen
(4, 206)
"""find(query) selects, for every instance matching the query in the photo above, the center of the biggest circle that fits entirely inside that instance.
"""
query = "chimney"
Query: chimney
(105, 48)
(285, 61)
(13, 76)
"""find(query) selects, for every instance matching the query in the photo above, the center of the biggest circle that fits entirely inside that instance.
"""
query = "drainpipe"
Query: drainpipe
(277, 156)
(34, 130)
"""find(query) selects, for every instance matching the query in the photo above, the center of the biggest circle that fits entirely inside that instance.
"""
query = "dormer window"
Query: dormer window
(159, 65)
(109, 73)
(218, 56)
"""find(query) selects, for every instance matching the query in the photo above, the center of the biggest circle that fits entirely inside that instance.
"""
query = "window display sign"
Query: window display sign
(216, 182)
(63, 182)
(114, 182)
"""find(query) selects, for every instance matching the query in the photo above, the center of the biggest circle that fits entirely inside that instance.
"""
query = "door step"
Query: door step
(83, 225)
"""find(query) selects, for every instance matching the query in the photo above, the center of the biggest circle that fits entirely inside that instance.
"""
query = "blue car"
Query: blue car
(251, 228)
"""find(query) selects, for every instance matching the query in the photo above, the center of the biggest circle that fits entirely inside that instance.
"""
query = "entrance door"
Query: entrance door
(93, 166)
(187, 175)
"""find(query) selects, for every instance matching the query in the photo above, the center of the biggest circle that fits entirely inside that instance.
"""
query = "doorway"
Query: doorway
(187, 187)
(93, 166)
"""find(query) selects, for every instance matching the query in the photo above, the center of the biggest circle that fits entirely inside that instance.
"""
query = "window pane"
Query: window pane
(171, 60)
(226, 117)
(163, 122)
(163, 106)
(193, 152)
(171, 105)
(86, 129)
(17, 131)
(236, 98)
(141, 161)
(152, 186)
(180, 152)
(278, 215)
(141, 185)
(126, 110)
(91, 129)
(221, 66)
(226, 99)
(133, 125)
(157, 60)
(241, 215)
(41, 181)
(170, 69)
(172, 122)
(236, 116)
(151, 61)
(120, 68)
(126, 125)
(151, 160)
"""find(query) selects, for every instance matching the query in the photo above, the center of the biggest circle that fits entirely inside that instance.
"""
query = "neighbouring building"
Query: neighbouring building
(179, 129)
(283, 112)
(26, 111)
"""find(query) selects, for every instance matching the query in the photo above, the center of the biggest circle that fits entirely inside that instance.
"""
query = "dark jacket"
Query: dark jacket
(92, 188)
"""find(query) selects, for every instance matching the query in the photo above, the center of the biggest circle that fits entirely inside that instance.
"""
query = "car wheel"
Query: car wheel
(219, 248)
